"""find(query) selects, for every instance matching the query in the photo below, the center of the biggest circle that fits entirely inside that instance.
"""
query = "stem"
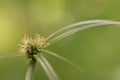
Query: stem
(30, 69)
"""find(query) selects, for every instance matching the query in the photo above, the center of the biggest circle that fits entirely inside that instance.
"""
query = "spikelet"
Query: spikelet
(31, 46)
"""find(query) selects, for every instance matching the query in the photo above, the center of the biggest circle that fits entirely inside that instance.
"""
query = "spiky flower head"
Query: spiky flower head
(32, 45)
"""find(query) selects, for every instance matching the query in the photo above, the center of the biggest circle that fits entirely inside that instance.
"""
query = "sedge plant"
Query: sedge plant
(35, 47)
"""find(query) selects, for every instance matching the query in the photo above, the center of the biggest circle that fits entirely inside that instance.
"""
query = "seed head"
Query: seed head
(31, 45)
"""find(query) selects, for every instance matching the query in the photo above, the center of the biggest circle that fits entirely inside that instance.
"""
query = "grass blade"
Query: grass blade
(64, 59)
(44, 67)
(30, 70)
(75, 25)
(49, 67)
(10, 55)
(10, 66)
(79, 29)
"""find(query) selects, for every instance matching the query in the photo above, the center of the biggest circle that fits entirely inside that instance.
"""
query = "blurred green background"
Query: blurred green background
(96, 50)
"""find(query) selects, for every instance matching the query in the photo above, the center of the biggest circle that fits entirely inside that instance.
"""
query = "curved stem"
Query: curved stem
(30, 69)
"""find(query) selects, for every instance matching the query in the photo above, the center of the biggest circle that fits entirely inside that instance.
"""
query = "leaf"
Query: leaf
(10, 55)
(47, 67)
(64, 59)
(74, 30)
(53, 73)
(75, 25)
(8, 64)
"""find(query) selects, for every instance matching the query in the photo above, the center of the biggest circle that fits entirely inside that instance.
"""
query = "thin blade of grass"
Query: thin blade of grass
(79, 29)
(30, 70)
(53, 73)
(44, 67)
(10, 66)
(75, 25)
(64, 59)
(10, 55)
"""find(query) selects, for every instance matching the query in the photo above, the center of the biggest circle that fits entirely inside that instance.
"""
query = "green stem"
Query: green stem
(30, 69)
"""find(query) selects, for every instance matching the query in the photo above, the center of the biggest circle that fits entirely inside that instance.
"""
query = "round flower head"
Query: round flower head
(31, 46)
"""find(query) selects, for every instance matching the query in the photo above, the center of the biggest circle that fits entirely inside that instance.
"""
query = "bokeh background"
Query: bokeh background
(96, 50)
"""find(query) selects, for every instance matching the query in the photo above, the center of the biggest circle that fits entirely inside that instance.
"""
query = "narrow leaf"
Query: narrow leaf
(53, 73)
(64, 59)
(45, 67)
(10, 55)
(77, 24)
(79, 29)
(10, 66)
